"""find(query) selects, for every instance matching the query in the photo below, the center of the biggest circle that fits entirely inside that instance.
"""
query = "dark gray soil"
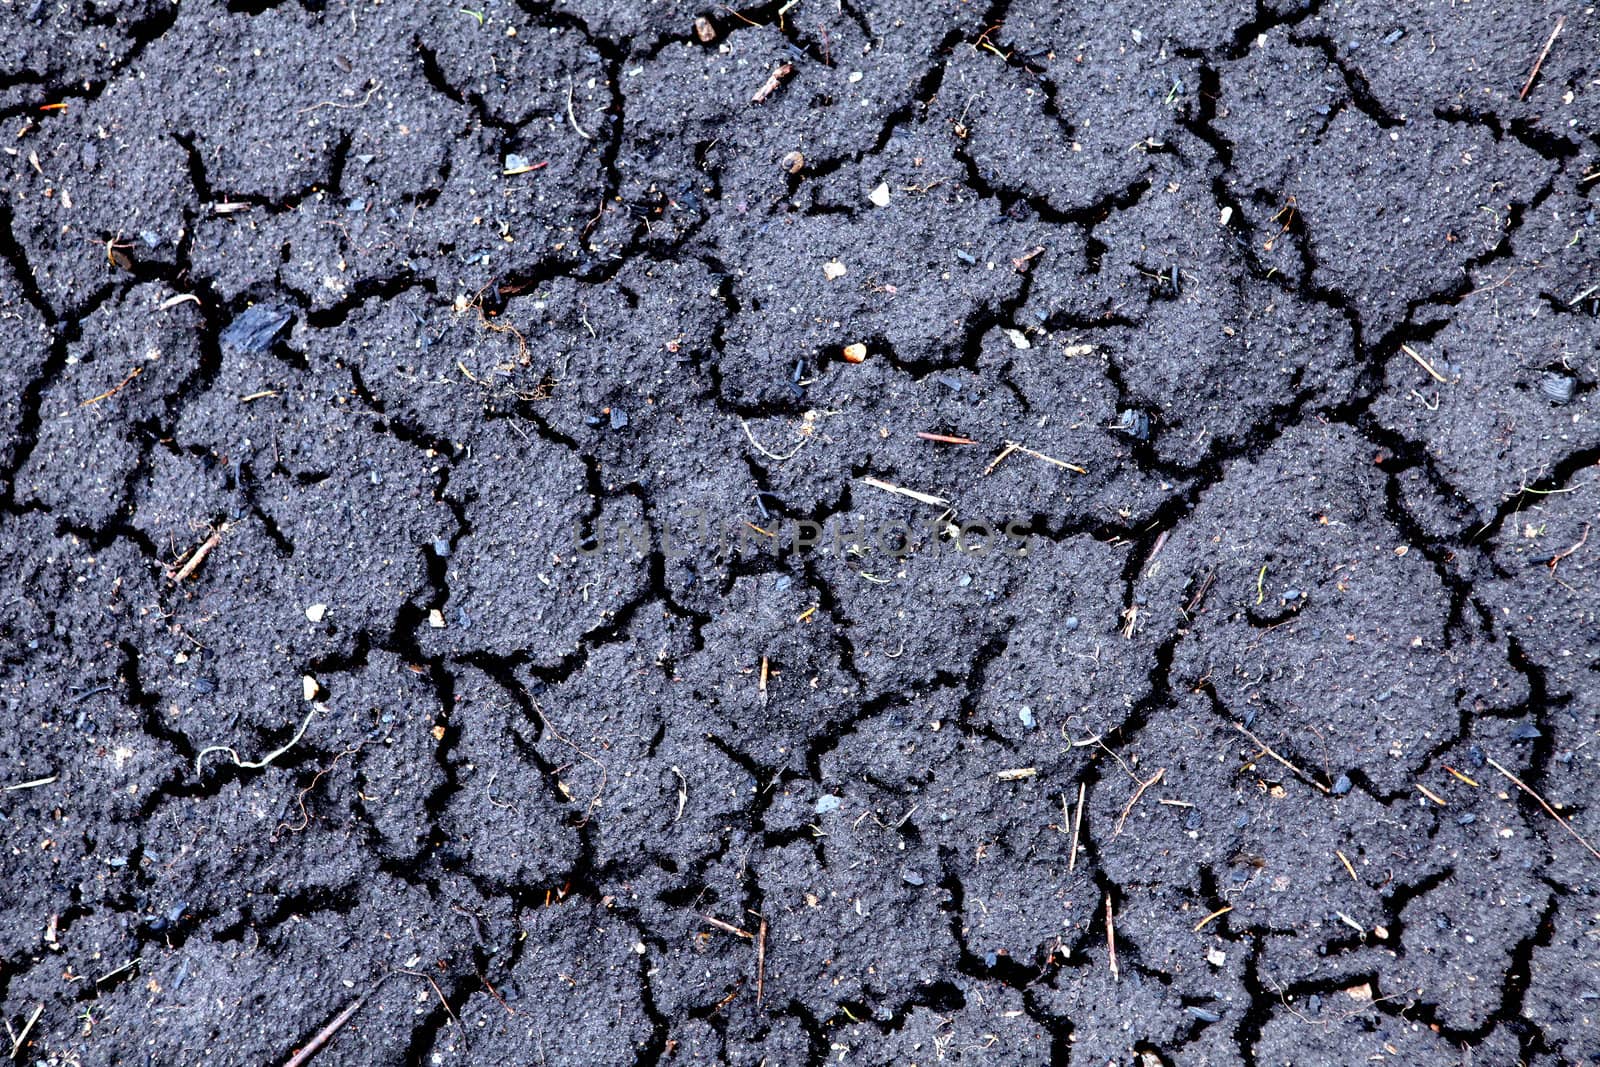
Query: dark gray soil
(467, 598)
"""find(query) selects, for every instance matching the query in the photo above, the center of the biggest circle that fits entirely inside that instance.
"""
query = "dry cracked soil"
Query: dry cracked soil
(978, 531)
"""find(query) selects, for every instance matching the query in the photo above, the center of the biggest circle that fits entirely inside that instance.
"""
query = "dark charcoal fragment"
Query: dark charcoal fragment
(257, 328)
(1136, 424)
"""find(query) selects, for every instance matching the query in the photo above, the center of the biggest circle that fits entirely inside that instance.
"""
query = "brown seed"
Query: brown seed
(704, 30)
(856, 353)
(792, 162)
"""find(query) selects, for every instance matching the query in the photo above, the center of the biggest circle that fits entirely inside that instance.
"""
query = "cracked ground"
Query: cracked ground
(443, 458)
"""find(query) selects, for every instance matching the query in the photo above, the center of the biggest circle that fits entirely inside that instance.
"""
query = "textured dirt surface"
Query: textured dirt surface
(466, 599)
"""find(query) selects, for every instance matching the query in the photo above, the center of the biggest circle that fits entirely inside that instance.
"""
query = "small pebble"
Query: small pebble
(316, 612)
(855, 353)
(1205, 1015)
(793, 162)
(1070, 624)
(880, 195)
(1025, 713)
(1341, 785)
(705, 30)
(828, 802)
(911, 878)
(833, 270)
(1557, 388)
(966, 258)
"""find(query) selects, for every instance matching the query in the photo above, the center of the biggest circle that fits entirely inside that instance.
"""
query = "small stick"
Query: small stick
(763, 683)
(945, 438)
(1011, 446)
(921, 498)
(728, 927)
(774, 80)
(1268, 749)
(113, 973)
(1431, 795)
(1219, 913)
(439, 992)
(1077, 826)
(323, 1036)
(1559, 556)
(1025, 450)
(1200, 595)
(1520, 784)
(115, 389)
(1111, 940)
(1345, 860)
(16, 1043)
(761, 962)
(1016, 774)
(36, 783)
(1424, 364)
(1561, 20)
(1137, 793)
(195, 560)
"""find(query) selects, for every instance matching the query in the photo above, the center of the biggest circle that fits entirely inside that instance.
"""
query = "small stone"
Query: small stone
(880, 195)
(316, 612)
(1017, 338)
(855, 353)
(1025, 713)
(911, 878)
(1205, 1015)
(1526, 731)
(705, 30)
(619, 419)
(1557, 388)
(828, 802)
(1070, 624)
(792, 162)
(308, 687)
(1342, 785)
(833, 270)
(1216, 957)
(436, 619)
